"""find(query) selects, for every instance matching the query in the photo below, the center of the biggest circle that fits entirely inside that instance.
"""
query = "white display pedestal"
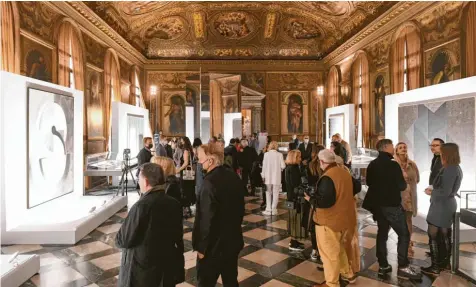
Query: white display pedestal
(62, 220)
(20, 270)
(65, 220)
(341, 120)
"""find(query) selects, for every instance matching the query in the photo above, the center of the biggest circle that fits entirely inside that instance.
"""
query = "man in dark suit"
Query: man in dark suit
(246, 159)
(306, 150)
(217, 235)
(152, 235)
(231, 155)
(294, 144)
(163, 149)
(385, 181)
(144, 155)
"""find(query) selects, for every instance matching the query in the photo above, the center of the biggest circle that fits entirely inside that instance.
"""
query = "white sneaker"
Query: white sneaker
(266, 212)
(275, 212)
(314, 255)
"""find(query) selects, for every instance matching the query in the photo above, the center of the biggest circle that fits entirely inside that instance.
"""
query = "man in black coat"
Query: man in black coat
(217, 235)
(246, 159)
(231, 155)
(294, 144)
(152, 235)
(306, 150)
(144, 154)
(164, 149)
(385, 181)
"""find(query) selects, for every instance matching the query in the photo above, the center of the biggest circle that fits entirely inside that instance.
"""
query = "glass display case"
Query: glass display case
(107, 164)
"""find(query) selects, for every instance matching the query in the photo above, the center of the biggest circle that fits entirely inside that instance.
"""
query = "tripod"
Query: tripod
(126, 170)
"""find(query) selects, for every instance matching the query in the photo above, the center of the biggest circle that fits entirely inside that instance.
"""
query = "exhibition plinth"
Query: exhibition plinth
(65, 220)
(19, 270)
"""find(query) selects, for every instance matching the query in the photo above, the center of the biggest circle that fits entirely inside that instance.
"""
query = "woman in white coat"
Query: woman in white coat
(273, 165)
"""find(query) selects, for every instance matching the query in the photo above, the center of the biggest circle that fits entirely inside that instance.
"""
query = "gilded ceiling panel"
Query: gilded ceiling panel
(238, 30)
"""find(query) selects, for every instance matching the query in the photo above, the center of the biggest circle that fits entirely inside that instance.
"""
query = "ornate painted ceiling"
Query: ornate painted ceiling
(238, 30)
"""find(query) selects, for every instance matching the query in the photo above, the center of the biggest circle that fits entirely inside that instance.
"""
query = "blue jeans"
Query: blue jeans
(392, 217)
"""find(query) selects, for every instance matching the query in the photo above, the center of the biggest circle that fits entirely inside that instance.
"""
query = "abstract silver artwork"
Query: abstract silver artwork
(50, 146)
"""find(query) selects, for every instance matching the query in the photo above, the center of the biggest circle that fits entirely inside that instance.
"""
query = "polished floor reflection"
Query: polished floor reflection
(264, 261)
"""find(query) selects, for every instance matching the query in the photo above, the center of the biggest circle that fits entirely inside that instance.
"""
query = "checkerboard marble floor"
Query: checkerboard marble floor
(264, 261)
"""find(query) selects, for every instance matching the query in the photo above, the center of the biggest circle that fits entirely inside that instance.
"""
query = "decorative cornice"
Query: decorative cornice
(96, 26)
(396, 15)
(238, 65)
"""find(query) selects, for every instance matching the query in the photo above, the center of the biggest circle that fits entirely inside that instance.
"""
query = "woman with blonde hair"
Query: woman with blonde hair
(273, 164)
(172, 182)
(409, 195)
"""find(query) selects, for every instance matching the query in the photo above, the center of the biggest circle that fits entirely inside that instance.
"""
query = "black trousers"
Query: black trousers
(210, 268)
(245, 175)
(392, 217)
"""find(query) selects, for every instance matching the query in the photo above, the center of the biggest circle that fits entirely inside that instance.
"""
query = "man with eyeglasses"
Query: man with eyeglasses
(436, 164)
(436, 167)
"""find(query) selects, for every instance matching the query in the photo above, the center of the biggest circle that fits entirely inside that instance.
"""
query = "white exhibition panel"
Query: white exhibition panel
(190, 123)
(63, 220)
(228, 119)
(205, 126)
(348, 129)
(453, 90)
(17, 272)
(119, 131)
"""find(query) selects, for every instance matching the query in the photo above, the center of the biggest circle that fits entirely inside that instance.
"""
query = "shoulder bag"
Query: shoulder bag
(188, 172)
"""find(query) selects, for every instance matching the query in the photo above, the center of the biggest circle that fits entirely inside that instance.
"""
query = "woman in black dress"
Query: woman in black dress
(443, 207)
(187, 185)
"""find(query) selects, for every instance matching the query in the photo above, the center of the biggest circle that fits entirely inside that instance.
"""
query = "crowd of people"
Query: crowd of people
(320, 192)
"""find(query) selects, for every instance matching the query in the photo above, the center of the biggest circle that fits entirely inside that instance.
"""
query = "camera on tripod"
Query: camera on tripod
(126, 155)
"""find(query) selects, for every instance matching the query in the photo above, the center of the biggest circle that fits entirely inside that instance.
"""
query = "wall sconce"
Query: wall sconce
(153, 90)
(344, 91)
(320, 90)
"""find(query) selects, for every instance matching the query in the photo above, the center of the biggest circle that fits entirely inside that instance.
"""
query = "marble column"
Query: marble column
(256, 119)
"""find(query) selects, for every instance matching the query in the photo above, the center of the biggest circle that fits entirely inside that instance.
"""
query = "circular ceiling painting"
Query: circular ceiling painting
(234, 25)
(169, 28)
(298, 29)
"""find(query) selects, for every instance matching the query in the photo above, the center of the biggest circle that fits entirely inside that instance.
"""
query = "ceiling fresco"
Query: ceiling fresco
(238, 30)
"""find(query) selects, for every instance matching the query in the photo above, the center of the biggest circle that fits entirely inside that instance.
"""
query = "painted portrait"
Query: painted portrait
(295, 114)
(37, 66)
(441, 69)
(94, 106)
(174, 114)
(379, 96)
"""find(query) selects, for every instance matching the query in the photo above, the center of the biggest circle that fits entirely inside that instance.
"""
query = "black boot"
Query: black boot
(446, 262)
(434, 269)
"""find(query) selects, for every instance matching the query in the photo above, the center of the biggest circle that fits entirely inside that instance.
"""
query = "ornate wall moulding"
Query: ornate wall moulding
(270, 25)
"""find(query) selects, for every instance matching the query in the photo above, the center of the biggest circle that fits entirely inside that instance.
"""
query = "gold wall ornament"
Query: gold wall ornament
(37, 18)
(168, 80)
(293, 81)
(442, 22)
(223, 52)
(198, 25)
(244, 52)
(168, 29)
(270, 25)
(293, 52)
(95, 52)
(378, 52)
